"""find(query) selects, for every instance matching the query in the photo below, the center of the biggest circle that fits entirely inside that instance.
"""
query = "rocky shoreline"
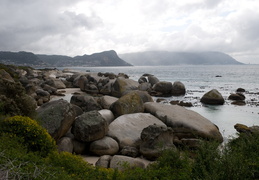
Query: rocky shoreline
(114, 117)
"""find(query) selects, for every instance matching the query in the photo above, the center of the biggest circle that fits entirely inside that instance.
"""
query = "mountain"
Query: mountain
(106, 58)
(20, 58)
(156, 58)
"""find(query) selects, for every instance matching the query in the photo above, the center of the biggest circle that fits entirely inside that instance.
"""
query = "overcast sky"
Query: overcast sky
(77, 27)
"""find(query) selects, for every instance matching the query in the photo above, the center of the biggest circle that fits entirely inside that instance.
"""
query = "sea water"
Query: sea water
(199, 79)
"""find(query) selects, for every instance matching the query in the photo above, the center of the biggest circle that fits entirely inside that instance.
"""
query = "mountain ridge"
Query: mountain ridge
(156, 58)
(105, 58)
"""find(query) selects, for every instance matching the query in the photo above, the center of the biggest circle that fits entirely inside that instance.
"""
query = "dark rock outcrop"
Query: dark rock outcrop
(213, 97)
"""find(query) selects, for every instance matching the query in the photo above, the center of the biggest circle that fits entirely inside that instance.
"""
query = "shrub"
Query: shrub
(35, 137)
(14, 100)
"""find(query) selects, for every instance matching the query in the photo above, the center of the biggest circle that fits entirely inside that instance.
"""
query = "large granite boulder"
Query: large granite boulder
(86, 103)
(145, 97)
(185, 123)
(56, 83)
(163, 88)
(126, 129)
(152, 79)
(104, 146)
(154, 140)
(178, 89)
(128, 104)
(122, 86)
(123, 162)
(107, 101)
(89, 126)
(107, 115)
(57, 117)
(213, 97)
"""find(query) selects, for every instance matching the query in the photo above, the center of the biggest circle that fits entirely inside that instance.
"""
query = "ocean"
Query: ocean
(199, 79)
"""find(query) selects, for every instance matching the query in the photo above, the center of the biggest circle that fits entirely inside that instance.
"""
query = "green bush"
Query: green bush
(35, 137)
(14, 101)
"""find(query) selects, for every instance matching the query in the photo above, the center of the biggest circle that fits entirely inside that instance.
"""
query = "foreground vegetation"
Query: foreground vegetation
(21, 158)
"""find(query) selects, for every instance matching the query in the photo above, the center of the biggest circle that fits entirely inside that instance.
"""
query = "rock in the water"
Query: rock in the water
(241, 90)
(123, 162)
(241, 128)
(178, 89)
(237, 97)
(65, 144)
(152, 80)
(57, 117)
(156, 139)
(86, 103)
(89, 126)
(107, 115)
(128, 104)
(213, 97)
(104, 146)
(239, 103)
(122, 86)
(164, 88)
(126, 129)
(185, 123)
(104, 161)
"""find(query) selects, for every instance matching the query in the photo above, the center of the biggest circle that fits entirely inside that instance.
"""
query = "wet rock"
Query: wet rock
(152, 80)
(164, 88)
(239, 103)
(178, 89)
(237, 97)
(241, 90)
(213, 97)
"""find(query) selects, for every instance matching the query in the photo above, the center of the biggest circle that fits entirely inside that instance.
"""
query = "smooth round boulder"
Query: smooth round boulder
(107, 101)
(57, 117)
(185, 123)
(89, 126)
(178, 89)
(152, 80)
(104, 146)
(126, 129)
(213, 97)
(163, 87)
(128, 104)
(107, 115)
(122, 86)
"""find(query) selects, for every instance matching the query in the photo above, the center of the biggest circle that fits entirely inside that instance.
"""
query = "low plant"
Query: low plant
(34, 136)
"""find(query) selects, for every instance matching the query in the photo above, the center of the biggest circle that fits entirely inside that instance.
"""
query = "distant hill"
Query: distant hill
(106, 58)
(20, 58)
(156, 58)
